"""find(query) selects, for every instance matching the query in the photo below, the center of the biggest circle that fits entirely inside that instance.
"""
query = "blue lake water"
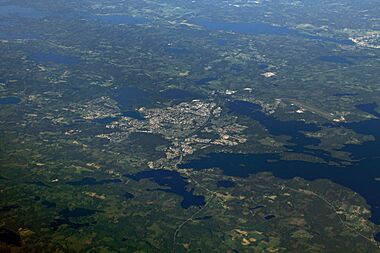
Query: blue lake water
(106, 120)
(295, 129)
(359, 176)
(134, 115)
(263, 29)
(263, 66)
(345, 94)
(55, 58)
(9, 101)
(225, 183)
(174, 182)
(258, 207)
(269, 216)
(369, 108)
(249, 28)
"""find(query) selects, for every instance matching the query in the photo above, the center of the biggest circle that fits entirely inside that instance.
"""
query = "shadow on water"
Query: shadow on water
(359, 176)
(176, 184)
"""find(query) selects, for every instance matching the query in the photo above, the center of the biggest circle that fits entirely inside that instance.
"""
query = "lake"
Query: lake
(369, 108)
(105, 121)
(173, 183)
(9, 101)
(133, 115)
(225, 184)
(259, 28)
(359, 176)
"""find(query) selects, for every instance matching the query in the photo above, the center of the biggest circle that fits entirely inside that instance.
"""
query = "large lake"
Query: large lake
(361, 176)
(259, 28)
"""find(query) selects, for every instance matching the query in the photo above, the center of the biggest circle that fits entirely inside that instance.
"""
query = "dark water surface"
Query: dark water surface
(128, 195)
(369, 108)
(360, 176)
(9, 101)
(263, 29)
(9, 237)
(345, 94)
(134, 115)
(176, 184)
(106, 120)
(269, 216)
(225, 184)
